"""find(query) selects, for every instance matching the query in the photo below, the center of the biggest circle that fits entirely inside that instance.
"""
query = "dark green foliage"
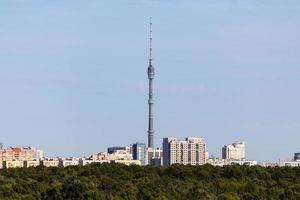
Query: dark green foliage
(116, 181)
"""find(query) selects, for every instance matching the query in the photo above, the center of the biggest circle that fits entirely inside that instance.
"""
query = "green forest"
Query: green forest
(117, 181)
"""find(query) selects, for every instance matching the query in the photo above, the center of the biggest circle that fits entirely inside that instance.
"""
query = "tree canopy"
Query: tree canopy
(117, 181)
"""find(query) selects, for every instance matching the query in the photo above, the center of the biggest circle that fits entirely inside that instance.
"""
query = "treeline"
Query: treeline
(117, 181)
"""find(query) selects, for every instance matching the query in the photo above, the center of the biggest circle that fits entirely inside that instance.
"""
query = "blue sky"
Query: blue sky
(73, 74)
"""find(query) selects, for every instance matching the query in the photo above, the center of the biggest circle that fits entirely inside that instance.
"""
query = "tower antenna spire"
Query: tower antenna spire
(150, 24)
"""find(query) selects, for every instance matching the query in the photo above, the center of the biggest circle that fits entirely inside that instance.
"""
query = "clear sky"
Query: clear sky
(73, 74)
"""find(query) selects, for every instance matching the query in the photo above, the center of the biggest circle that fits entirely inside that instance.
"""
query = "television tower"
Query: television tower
(151, 98)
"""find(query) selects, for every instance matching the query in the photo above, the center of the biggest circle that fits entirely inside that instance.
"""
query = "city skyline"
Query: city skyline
(73, 77)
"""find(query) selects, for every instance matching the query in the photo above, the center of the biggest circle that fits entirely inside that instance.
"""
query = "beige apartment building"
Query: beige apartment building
(31, 163)
(190, 151)
(20, 153)
(12, 163)
(50, 162)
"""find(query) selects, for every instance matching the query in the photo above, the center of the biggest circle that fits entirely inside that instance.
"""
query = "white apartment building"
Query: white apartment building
(289, 163)
(234, 151)
(47, 162)
(191, 151)
(223, 162)
(220, 162)
(243, 162)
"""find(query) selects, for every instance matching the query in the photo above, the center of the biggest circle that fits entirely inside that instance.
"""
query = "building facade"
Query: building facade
(12, 164)
(243, 162)
(190, 151)
(154, 156)
(68, 162)
(215, 161)
(112, 150)
(139, 152)
(234, 151)
(53, 162)
(297, 157)
(84, 162)
(19, 153)
(31, 163)
(289, 163)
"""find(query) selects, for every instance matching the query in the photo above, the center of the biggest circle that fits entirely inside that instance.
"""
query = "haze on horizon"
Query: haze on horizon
(73, 74)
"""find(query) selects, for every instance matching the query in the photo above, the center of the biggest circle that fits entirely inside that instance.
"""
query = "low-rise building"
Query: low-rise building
(268, 164)
(31, 163)
(13, 163)
(218, 161)
(243, 162)
(215, 161)
(295, 162)
(68, 162)
(117, 155)
(103, 156)
(128, 162)
(50, 162)
(290, 164)
(83, 162)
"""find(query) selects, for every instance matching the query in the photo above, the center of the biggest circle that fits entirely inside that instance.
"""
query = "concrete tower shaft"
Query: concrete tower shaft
(151, 73)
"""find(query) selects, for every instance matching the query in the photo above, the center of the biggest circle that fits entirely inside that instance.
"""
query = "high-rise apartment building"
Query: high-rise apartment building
(234, 151)
(190, 151)
(20, 153)
(139, 152)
